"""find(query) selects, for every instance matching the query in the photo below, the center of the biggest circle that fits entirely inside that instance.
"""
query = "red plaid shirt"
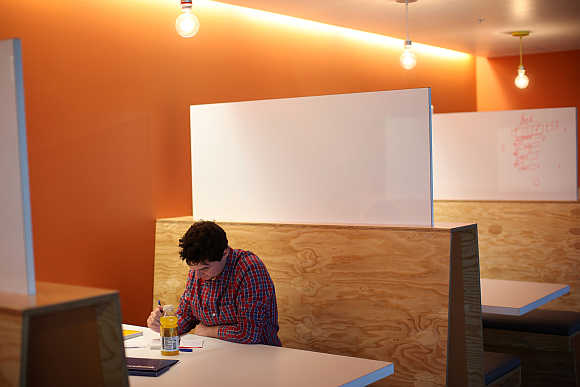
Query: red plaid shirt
(241, 300)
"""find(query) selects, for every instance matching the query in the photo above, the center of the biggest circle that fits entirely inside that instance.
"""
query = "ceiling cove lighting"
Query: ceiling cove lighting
(318, 29)
(522, 79)
(187, 24)
(408, 58)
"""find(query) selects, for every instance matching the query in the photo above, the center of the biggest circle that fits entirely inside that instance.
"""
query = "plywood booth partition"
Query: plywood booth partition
(527, 241)
(376, 292)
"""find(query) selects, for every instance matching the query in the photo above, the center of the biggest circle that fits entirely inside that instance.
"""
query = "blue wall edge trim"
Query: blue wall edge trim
(372, 377)
(431, 152)
(544, 300)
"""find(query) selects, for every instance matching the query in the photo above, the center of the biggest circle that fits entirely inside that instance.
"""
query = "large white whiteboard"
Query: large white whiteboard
(16, 255)
(361, 158)
(506, 155)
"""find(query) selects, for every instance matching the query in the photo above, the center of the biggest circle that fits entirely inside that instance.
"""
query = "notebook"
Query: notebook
(148, 367)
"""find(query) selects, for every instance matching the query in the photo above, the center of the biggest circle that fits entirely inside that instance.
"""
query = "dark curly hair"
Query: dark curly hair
(205, 241)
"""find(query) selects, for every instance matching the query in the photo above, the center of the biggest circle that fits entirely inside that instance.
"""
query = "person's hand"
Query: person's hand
(153, 321)
(202, 330)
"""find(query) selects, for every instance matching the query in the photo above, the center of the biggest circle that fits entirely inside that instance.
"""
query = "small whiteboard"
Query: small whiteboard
(506, 155)
(362, 158)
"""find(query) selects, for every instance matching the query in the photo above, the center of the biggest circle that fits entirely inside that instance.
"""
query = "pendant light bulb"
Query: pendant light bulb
(522, 79)
(408, 58)
(187, 24)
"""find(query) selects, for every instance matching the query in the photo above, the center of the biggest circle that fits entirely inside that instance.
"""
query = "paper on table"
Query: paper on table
(155, 343)
(190, 341)
(137, 342)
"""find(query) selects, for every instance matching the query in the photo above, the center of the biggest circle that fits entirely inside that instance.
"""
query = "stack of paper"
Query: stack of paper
(190, 341)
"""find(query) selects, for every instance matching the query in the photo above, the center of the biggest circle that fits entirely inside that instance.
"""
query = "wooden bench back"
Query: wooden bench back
(525, 241)
(373, 292)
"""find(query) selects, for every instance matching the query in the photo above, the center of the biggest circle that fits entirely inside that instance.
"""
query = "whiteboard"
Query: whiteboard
(506, 155)
(362, 158)
(16, 255)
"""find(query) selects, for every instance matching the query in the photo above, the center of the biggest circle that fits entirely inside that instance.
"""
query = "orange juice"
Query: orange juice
(169, 336)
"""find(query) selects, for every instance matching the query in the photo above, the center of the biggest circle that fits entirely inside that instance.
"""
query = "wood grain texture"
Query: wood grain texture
(52, 296)
(373, 292)
(525, 341)
(169, 272)
(465, 358)
(111, 347)
(63, 347)
(67, 333)
(10, 348)
(527, 241)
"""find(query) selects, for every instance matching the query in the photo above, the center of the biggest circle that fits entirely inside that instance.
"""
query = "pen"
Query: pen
(160, 306)
(185, 349)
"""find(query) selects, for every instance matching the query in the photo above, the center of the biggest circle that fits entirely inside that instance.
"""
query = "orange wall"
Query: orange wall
(554, 82)
(108, 85)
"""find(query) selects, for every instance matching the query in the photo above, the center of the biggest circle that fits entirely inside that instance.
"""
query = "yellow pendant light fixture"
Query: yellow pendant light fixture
(187, 24)
(522, 79)
(408, 58)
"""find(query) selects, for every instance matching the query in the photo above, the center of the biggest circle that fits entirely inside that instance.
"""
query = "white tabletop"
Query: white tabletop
(517, 297)
(221, 363)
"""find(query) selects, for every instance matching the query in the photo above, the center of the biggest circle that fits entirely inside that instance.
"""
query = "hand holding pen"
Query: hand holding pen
(154, 319)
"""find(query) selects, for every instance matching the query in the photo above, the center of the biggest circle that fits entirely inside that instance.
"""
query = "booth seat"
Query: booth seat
(547, 341)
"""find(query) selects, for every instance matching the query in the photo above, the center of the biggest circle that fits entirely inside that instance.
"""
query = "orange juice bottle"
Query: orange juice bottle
(169, 336)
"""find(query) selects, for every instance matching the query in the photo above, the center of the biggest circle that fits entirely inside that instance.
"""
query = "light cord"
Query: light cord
(407, 19)
(521, 51)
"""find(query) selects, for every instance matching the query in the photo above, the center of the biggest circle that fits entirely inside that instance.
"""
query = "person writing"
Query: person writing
(229, 294)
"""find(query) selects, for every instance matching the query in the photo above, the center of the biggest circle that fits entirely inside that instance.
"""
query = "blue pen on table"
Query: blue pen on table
(181, 349)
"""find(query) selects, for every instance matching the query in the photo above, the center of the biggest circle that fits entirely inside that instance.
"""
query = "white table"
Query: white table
(516, 298)
(221, 363)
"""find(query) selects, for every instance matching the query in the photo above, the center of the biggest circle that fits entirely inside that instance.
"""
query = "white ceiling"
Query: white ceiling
(454, 24)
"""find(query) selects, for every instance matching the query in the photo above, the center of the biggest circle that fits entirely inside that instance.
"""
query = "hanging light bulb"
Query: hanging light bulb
(187, 24)
(521, 81)
(408, 58)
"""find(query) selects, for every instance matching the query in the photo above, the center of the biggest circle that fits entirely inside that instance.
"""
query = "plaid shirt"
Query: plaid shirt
(241, 300)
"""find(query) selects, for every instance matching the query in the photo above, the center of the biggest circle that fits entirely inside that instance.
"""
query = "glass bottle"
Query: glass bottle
(169, 336)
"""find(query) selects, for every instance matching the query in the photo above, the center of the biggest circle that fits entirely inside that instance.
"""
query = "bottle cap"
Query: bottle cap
(169, 310)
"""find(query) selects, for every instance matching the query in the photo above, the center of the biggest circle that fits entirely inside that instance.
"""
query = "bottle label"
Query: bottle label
(170, 344)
